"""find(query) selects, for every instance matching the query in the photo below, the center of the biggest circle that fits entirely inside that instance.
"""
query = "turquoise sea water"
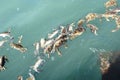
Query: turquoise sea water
(34, 19)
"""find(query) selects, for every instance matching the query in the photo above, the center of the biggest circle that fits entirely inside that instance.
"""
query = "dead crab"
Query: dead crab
(91, 16)
(18, 46)
(110, 3)
(93, 28)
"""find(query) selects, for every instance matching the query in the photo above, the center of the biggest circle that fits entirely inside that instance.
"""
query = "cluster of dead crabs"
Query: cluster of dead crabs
(59, 36)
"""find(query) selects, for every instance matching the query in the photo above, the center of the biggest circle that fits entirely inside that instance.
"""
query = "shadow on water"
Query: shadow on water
(113, 72)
